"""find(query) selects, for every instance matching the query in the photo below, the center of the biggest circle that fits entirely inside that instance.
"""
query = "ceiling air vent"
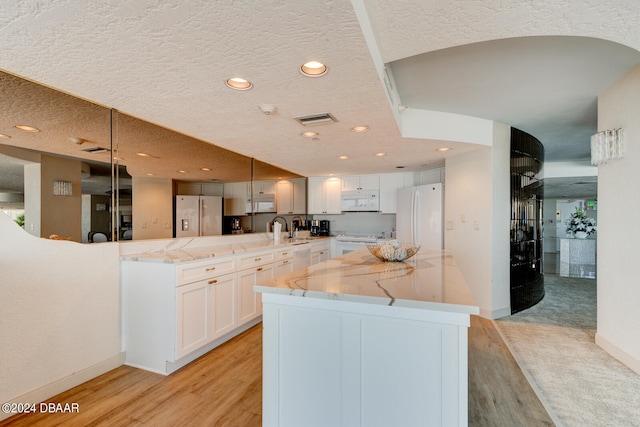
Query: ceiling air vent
(316, 119)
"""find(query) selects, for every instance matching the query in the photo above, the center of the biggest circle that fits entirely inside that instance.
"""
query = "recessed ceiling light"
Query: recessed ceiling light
(380, 154)
(2, 135)
(143, 154)
(343, 157)
(313, 69)
(27, 128)
(151, 174)
(117, 158)
(444, 149)
(309, 134)
(206, 169)
(360, 128)
(183, 171)
(239, 84)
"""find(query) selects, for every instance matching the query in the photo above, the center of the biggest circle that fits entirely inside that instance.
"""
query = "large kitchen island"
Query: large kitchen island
(354, 341)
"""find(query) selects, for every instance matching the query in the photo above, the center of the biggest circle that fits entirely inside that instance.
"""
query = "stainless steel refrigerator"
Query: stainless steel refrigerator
(198, 216)
(419, 216)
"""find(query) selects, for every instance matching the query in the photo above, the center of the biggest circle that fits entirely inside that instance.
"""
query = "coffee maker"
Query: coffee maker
(324, 228)
(315, 227)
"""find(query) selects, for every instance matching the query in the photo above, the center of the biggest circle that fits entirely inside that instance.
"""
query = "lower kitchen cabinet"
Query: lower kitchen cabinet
(250, 302)
(192, 317)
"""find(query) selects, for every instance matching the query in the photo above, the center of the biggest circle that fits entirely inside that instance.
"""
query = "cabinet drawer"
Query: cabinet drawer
(255, 259)
(318, 247)
(204, 269)
(283, 254)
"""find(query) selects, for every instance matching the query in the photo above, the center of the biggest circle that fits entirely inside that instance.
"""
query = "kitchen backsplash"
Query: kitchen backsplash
(360, 223)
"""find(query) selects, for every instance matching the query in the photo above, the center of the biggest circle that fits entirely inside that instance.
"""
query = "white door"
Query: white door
(192, 329)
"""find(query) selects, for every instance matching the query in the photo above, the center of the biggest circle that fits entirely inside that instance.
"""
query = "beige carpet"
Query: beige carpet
(554, 344)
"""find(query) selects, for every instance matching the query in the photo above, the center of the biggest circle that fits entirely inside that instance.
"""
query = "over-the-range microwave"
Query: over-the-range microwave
(262, 203)
(360, 201)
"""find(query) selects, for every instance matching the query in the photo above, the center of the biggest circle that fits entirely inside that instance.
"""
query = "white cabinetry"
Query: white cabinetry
(319, 252)
(324, 195)
(236, 195)
(360, 182)
(253, 268)
(390, 183)
(432, 176)
(174, 313)
(264, 187)
(199, 189)
(291, 196)
(283, 263)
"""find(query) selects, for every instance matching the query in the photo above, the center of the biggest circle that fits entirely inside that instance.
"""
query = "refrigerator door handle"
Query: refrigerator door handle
(415, 220)
(201, 212)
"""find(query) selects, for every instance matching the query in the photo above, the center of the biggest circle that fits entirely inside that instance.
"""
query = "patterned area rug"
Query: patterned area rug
(554, 343)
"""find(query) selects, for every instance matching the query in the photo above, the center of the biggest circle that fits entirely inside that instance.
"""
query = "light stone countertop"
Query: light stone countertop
(428, 280)
(229, 246)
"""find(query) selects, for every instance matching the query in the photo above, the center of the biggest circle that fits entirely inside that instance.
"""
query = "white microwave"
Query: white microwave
(360, 201)
(262, 203)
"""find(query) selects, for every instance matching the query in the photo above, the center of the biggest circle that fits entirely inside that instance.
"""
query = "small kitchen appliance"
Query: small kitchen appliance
(324, 228)
(315, 227)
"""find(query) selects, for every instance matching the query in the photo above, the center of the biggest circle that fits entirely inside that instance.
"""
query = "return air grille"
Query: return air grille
(316, 119)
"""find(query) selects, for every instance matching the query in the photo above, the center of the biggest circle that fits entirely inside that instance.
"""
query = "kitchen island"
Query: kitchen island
(355, 341)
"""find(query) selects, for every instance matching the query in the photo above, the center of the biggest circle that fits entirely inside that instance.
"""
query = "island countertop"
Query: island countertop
(428, 280)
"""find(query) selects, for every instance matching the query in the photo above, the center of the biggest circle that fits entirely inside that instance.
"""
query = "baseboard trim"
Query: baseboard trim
(617, 353)
(495, 314)
(46, 391)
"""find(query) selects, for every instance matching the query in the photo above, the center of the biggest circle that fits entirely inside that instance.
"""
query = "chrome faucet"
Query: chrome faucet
(293, 229)
(284, 222)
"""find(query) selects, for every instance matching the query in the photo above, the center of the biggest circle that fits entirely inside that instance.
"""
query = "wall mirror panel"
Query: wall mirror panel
(90, 170)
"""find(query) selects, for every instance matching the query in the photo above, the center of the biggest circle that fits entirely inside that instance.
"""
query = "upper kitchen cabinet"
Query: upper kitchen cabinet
(431, 176)
(360, 182)
(324, 195)
(236, 196)
(199, 188)
(264, 187)
(291, 196)
(390, 183)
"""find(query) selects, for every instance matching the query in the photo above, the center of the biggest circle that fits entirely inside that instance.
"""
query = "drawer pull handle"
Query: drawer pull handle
(211, 282)
(258, 259)
(259, 269)
(286, 261)
(285, 253)
(210, 269)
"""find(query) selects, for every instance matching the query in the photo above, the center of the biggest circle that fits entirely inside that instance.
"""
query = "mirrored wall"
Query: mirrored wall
(79, 171)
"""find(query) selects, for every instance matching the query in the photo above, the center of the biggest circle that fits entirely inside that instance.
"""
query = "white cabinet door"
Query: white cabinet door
(284, 197)
(192, 321)
(236, 195)
(360, 182)
(324, 195)
(331, 199)
(250, 302)
(222, 305)
(283, 267)
(299, 196)
(264, 187)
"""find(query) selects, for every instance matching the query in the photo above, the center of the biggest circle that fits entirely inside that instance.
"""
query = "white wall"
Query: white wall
(152, 207)
(477, 190)
(59, 311)
(618, 242)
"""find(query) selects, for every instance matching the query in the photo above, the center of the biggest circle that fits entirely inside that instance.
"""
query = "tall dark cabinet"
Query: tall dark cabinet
(527, 194)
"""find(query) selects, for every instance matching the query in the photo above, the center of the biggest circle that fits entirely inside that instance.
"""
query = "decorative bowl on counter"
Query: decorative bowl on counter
(393, 250)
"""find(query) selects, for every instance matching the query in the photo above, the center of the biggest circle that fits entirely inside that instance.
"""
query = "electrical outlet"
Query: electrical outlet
(476, 225)
(449, 225)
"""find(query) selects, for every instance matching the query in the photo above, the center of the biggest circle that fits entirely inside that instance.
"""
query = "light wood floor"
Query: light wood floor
(223, 388)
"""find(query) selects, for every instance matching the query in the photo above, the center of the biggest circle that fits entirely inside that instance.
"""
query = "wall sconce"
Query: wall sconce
(62, 188)
(606, 145)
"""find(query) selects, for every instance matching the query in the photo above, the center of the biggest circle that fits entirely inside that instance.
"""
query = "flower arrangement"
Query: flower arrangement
(578, 221)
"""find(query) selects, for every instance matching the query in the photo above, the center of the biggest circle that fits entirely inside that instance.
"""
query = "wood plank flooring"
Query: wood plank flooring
(224, 388)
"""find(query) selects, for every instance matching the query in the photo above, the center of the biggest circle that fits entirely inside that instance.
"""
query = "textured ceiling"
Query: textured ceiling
(166, 62)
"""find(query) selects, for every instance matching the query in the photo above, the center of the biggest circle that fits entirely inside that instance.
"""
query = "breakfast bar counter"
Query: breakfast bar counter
(357, 341)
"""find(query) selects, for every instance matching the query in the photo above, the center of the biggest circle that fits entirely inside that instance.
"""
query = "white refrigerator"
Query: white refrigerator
(419, 216)
(198, 216)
